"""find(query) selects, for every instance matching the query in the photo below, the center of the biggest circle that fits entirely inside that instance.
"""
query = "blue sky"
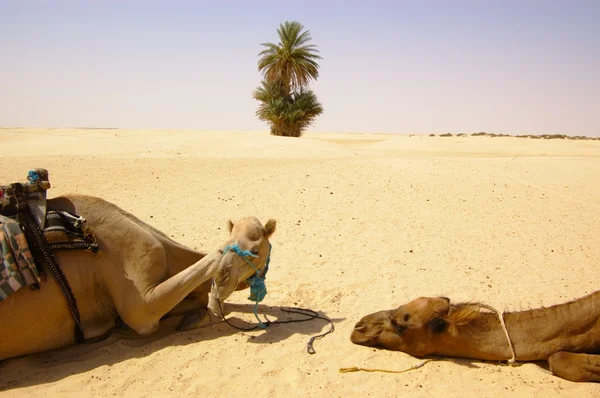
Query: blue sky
(388, 66)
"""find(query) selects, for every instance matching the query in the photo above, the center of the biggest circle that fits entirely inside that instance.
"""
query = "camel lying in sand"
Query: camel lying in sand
(565, 335)
(139, 275)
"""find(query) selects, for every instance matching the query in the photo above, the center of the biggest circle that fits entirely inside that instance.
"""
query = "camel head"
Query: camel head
(411, 328)
(250, 236)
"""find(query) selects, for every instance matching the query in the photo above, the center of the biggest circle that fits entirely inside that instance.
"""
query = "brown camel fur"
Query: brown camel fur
(139, 275)
(566, 335)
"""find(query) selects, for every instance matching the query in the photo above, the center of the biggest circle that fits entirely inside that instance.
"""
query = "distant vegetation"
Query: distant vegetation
(541, 136)
(286, 103)
(538, 137)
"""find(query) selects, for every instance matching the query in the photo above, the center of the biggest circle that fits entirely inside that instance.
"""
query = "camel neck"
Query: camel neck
(541, 332)
(535, 334)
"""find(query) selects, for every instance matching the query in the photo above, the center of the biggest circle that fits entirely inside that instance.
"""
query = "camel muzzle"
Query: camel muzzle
(258, 289)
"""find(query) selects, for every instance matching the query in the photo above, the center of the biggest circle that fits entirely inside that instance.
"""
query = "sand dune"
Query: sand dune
(365, 222)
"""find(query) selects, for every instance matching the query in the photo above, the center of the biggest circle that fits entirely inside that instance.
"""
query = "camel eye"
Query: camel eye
(406, 317)
(438, 325)
(255, 252)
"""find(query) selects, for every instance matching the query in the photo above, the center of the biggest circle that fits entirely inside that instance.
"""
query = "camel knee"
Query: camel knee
(575, 367)
(559, 359)
(140, 322)
(560, 365)
(145, 329)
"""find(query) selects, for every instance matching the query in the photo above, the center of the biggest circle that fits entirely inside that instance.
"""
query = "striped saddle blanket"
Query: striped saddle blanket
(18, 268)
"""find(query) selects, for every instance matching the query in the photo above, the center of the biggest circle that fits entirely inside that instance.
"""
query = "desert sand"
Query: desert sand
(365, 222)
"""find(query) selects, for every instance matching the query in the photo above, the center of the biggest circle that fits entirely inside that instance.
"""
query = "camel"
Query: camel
(140, 275)
(566, 335)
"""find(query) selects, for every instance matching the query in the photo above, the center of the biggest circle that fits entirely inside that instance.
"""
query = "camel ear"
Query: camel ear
(230, 225)
(270, 227)
(440, 305)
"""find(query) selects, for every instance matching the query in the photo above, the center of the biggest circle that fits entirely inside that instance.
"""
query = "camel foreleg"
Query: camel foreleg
(143, 310)
(575, 367)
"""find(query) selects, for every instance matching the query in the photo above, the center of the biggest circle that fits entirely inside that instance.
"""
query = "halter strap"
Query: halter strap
(258, 290)
(513, 360)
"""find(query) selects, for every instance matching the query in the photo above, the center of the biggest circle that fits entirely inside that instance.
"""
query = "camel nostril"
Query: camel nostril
(359, 327)
(399, 328)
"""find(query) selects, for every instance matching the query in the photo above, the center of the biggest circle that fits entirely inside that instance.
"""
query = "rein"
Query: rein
(258, 291)
(310, 314)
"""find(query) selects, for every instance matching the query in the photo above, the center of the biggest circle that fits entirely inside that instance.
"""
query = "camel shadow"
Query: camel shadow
(51, 366)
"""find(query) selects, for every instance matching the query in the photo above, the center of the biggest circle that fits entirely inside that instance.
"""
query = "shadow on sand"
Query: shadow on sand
(293, 323)
(55, 365)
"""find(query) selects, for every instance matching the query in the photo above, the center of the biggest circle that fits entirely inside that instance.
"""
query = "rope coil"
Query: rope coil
(258, 291)
(357, 369)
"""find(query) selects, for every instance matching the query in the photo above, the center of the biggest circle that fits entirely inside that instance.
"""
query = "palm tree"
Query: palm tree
(287, 68)
(292, 61)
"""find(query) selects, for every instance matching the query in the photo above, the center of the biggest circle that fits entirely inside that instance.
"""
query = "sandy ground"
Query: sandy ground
(365, 222)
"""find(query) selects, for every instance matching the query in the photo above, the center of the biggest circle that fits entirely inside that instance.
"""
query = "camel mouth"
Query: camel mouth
(355, 337)
(358, 335)
(367, 330)
(360, 338)
(238, 275)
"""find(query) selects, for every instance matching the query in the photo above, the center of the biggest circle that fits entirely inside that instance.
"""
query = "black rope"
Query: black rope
(291, 310)
(35, 236)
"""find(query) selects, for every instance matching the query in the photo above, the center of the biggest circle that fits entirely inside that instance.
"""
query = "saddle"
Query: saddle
(30, 234)
(13, 197)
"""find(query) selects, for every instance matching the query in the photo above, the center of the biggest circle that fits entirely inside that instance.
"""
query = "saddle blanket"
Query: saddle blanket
(63, 231)
(17, 268)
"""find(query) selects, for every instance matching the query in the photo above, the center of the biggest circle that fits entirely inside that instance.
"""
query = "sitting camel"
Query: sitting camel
(139, 275)
(565, 335)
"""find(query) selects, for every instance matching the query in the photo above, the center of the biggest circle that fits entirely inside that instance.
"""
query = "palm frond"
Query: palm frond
(288, 115)
(292, 61)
